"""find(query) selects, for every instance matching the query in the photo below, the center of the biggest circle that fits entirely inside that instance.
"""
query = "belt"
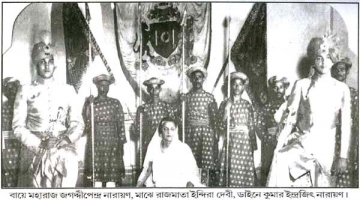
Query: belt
(199, 122)
(45, 134)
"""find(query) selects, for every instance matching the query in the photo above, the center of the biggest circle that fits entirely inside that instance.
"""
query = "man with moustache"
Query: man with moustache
(201, 124)
(47, 122)
(350, 178)
(266, 124)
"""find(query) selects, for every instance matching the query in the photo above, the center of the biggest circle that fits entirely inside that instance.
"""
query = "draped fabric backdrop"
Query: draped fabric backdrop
(76, 44)
(249, 52)
(162, 35)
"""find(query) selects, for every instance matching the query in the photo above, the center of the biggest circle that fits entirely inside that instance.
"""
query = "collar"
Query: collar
(45, 82)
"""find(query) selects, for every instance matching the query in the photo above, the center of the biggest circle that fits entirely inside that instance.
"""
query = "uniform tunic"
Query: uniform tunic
(201, 132)
(268, 142)
(315, 119)
(350, 178)
(152, 114)
(10, 155)
(241, 159)
(109, 139)
(200, 127)
(46, 110)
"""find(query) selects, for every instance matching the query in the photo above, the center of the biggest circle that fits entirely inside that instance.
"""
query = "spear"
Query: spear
(93, 138)
(87, 12)
(228, 111)
(139, 82)
(220, 73)
(183, 23)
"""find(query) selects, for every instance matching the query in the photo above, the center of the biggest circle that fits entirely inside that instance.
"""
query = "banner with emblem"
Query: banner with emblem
(157, 31)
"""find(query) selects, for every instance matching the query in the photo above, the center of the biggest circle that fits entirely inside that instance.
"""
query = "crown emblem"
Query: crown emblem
(164, 12)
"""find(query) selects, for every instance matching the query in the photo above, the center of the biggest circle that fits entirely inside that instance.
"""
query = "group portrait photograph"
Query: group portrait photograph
(171, 94)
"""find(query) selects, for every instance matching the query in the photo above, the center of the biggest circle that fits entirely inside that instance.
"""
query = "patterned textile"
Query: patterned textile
(268, 142)
(151, 117)
(241, 160)
(10, 162)
(6, 116)
(351, 177)
(200, 127)
(109, 139)
(10, 155)
(201, 131)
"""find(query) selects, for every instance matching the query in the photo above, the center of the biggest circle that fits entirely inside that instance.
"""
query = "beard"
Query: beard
(340, 77)
(197, 85)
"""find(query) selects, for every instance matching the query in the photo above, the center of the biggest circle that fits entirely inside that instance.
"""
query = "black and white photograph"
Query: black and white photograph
(169, 94)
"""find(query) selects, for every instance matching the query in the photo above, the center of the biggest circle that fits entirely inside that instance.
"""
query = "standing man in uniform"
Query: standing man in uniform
(266, 124)
(47, 121)
(109, 136)
(350, 178)
(201, 124)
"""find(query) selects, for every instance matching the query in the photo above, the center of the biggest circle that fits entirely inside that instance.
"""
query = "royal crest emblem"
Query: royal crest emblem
(165, 37)
(161, 30)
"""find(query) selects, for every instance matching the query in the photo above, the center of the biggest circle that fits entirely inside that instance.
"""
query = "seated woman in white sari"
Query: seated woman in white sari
(315, 107)
(169, 161)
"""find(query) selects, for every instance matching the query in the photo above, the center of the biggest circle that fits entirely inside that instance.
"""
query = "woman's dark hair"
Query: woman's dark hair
(167, 119)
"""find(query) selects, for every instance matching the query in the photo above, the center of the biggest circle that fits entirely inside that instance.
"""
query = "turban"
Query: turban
(152, 81)
(276, 79)
(103, 77)
(42, 49)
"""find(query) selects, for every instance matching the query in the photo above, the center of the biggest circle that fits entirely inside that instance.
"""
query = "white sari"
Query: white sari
(171, 167)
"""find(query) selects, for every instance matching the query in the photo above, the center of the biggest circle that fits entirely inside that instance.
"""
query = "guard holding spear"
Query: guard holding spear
(108, 130)
(201, 124)
(236, 119)
(104, 120)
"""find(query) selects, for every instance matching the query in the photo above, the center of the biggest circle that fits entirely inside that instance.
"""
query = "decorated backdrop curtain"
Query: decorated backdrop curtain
(160, 27)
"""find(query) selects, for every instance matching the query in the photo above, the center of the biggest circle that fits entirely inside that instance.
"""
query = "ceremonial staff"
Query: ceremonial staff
(139, 82)
(183, 24)
(220, 73)
(93, 138)
(87, 12)
(228, 111)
